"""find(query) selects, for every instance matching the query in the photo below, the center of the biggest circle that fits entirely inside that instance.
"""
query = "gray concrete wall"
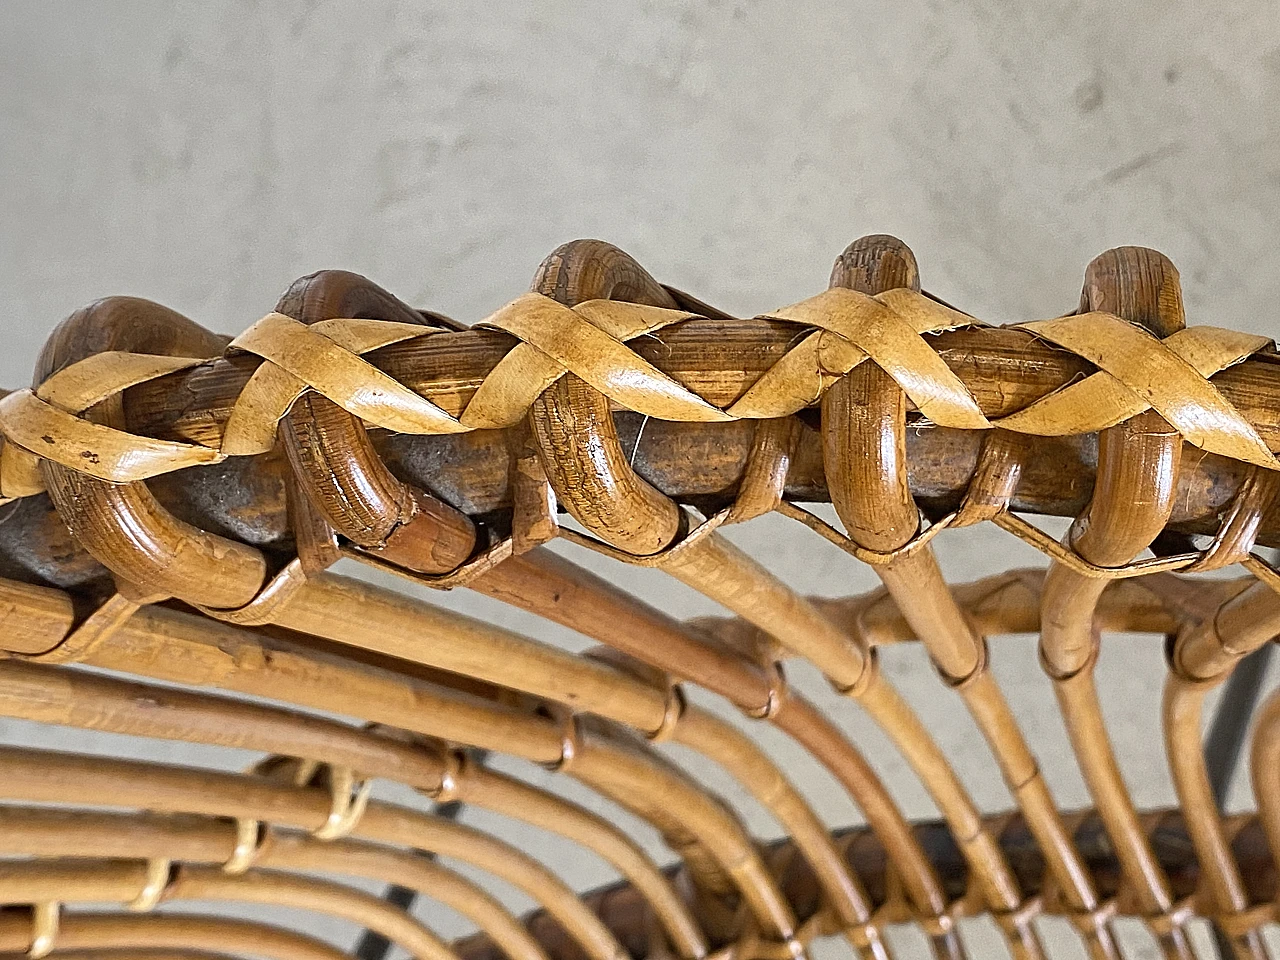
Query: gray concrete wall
(206, 154)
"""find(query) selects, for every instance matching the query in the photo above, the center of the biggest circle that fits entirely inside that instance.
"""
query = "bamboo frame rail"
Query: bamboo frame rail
(188, 790)
(44, 832)
(180, 498)
(137, 935)
(1165, 828)
(164, 644)
(133, 954)
(128, 882)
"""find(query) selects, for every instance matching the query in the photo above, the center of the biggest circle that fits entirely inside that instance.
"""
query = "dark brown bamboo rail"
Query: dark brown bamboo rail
(1005, 369)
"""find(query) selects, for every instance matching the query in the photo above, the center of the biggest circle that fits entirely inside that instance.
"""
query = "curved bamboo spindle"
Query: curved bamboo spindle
(142, 542)
(584, 460)
(634, 778)
(52, 833)
(1137, 462)
(134, 936)
(569, 595)
(164, 644)
(692, 727)
(864, 428)
(1166, 829)
(1264, 766)
(1125, 616)
(154, 646)
(345, 480)
(132, 954)
(107, 782)
(1202, 657)
(127, 882)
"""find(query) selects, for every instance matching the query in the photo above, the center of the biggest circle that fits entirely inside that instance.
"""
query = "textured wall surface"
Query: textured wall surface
(204, 154)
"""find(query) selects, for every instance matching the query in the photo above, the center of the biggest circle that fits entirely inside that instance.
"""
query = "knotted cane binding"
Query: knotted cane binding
(213, 484)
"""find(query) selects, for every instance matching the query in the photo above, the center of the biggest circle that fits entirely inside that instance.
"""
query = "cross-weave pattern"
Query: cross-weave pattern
(338, 407)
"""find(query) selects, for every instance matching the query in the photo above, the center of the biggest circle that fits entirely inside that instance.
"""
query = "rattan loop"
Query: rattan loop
(159, 875)
(764, 480)
(45, 919)
(671, 714)
(1091, 922)
(875, 558)
(752, 946)
(870, 672)
(936, 925)
(303, 770)
(274, 595)
(1062, 553)
(995, 479)
(95, 630)
(1015, 922)
(662, 557)
(960, 683)
(778, 691)
(1238, 531)
(1241, 923)
(251, 837)
(864, 936)
(350, 797)
(461, 576)
(570, 737)
(449, 790)
(1165, 922)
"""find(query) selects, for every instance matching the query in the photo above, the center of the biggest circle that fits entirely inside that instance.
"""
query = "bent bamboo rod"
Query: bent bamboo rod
(53, 695)
(135, 936)
(1166, 827)
(591, 475)
(72, 697)
(81, 881)
(133, 954)
(346, 611)
(864, 427)
(1264, 770)
(46, 777)
(62, 833)
(165, 644)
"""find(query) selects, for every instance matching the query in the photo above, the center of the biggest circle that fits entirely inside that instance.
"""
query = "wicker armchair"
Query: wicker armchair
(178, 500)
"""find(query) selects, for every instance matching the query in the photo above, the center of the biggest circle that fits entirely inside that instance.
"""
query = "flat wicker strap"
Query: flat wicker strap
(1137, 372)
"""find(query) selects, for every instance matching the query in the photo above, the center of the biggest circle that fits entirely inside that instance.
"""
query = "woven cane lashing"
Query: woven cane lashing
(212, 484)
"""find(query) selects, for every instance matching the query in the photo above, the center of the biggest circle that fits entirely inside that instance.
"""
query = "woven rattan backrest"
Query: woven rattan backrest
(178, 501)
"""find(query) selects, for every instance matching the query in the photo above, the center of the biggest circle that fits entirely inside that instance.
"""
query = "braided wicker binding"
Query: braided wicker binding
(208, 486)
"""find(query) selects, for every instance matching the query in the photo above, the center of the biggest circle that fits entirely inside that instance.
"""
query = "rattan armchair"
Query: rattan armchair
(177, 501)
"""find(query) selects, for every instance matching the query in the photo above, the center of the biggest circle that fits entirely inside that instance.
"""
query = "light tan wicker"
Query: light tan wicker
(178, 500)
